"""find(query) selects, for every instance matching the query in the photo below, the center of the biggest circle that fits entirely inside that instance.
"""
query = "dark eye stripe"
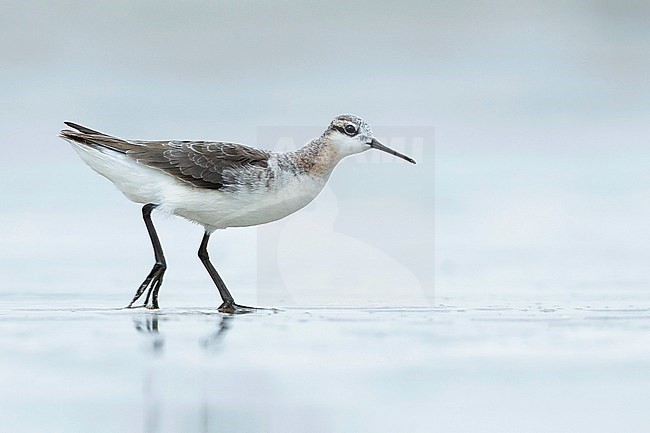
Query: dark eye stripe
(342, 130)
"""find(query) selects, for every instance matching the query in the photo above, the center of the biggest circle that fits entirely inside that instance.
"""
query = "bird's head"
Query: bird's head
(351, 134)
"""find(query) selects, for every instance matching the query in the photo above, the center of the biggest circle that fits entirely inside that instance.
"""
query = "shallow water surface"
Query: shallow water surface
(447, 368)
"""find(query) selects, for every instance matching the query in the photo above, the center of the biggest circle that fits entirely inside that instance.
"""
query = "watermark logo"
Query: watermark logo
(367, 239)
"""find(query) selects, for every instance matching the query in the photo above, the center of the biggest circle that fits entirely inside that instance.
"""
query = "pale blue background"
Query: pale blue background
(538, 242)
(540, 112)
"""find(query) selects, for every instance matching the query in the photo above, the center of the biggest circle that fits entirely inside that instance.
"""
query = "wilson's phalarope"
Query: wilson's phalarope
(217, 184)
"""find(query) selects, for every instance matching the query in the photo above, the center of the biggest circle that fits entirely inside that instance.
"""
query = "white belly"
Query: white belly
(217, 209)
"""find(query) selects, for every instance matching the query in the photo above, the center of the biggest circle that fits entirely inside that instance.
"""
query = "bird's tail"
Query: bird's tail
(83, 129)
(92, 138)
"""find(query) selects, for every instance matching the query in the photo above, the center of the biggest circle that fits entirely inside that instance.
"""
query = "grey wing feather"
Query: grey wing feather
(98, 140)
(200, 163)
(83, 129)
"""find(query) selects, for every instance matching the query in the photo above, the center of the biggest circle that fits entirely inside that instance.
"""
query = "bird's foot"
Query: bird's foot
(147, 306)
(151, 285)
(231, 308)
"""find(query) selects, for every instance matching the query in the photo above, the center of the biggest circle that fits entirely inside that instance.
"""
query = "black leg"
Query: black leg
(155, 278)
(228, 305)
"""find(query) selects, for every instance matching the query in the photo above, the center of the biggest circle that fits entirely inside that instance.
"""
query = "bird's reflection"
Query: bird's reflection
(212, 341)
(150, 325)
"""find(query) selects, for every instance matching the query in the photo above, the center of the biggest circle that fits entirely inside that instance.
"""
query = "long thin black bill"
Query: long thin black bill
(377, 145)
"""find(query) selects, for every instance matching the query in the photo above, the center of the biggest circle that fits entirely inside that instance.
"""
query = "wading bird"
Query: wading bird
(218, 184)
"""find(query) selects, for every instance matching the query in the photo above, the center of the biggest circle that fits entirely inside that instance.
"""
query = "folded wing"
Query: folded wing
(204, 164)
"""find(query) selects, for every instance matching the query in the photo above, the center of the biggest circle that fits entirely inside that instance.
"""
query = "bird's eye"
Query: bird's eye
(350, 129)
